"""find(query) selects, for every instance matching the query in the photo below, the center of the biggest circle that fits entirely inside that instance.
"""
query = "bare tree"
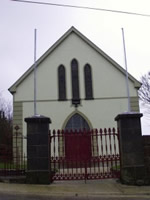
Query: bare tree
(5, 128)
(5, 107)
(144, 91)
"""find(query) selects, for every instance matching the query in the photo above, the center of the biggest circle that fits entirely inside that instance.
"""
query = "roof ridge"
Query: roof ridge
(12, 89)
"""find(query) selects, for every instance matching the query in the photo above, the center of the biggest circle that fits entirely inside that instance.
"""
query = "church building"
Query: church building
(78, 86)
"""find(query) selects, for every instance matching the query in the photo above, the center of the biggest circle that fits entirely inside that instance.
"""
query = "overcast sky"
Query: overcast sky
(18, 21)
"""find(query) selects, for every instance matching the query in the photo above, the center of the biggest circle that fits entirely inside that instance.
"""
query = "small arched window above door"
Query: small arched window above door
(61, 83)
(88, 82)
(77, 122)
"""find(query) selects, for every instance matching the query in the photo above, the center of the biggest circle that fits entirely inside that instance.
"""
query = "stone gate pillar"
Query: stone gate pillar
(131, 148)
(38, 152)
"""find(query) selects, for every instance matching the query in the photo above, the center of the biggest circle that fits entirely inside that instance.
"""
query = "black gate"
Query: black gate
(85, 154)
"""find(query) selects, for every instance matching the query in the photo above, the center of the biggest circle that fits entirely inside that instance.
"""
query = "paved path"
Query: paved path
(101, 189)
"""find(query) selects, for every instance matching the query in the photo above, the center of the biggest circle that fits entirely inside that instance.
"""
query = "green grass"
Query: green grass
(11, 165)
(117, 167)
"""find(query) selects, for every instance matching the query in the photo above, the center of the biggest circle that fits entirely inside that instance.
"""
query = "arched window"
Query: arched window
(75, 82)
(88, 82)
(61, 83)
(77, 122)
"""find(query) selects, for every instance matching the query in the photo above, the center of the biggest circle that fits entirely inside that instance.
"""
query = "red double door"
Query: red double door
(78, 146)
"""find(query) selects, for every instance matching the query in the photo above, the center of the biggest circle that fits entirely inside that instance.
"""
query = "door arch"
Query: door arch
(77, 122)
(77, 139)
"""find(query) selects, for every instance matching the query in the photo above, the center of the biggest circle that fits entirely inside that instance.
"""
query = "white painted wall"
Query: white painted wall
(100, 113)
(107, 81)
(109, 87)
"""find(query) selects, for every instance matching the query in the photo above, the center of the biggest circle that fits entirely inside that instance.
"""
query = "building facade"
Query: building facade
(78, 86)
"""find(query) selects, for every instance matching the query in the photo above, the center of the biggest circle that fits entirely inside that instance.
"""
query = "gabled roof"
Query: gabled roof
(12, 89)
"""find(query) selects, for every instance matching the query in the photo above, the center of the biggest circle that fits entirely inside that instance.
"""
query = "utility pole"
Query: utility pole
(127, 81)
(35, 87)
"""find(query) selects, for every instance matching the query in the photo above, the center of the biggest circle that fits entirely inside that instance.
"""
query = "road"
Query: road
(74, 190)
(4, 196)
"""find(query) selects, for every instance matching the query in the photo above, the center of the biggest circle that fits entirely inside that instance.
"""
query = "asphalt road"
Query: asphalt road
(4, 196)
(74, 190)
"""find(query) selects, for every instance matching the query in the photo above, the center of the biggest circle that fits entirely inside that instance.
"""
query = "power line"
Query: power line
(83, 7)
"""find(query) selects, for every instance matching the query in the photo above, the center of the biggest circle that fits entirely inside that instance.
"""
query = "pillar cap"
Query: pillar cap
(128, 115)
(38, 118)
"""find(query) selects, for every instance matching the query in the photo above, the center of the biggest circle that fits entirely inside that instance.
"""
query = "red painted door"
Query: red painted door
(78, 146)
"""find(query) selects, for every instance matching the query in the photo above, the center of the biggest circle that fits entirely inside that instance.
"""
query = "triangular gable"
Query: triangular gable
(12, 89)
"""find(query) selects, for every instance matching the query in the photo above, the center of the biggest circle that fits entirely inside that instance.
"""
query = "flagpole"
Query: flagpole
(35, 108)
(127, 80)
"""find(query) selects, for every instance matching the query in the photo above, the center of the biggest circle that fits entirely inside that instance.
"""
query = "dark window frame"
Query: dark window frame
(75, 82)
(88, 82)
(61, 83)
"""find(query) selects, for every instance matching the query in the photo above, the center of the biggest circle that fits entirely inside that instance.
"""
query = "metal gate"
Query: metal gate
(86, 154)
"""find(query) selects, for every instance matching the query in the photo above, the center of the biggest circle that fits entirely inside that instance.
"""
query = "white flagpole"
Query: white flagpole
(125, 61)
(35, 109)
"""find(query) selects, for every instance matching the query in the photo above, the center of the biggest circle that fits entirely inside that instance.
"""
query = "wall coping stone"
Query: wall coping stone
(128, 115)
(38, 119)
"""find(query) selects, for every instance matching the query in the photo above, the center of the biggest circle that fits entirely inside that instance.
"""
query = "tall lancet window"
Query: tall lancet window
(88, 82)
(75, 82)
(61, 83)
